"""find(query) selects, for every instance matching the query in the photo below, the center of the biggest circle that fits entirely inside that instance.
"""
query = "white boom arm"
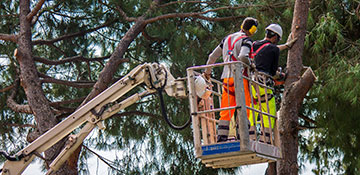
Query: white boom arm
(101, 107)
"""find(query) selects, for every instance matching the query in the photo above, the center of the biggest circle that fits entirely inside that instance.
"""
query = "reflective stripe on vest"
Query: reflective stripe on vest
(231, 47)
(253, 54)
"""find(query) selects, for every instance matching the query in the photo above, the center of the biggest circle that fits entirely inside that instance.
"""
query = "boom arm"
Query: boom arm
(155, 76)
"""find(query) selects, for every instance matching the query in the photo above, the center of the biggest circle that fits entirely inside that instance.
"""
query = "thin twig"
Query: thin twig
(47, 42)
(70, 59)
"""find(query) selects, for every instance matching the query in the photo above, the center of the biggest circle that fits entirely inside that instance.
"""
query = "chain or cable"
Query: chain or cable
(163, 109)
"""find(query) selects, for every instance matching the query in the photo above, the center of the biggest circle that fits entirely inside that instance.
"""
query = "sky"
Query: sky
(97, 167)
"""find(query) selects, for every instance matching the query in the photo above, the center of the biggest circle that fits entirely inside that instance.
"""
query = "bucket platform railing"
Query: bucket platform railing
(262, 146)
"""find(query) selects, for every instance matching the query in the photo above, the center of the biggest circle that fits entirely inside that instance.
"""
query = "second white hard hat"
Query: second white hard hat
(201, 88)
(276, 28)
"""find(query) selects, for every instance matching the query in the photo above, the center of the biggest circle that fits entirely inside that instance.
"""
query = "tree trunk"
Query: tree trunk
(295, 90)
(30, 82)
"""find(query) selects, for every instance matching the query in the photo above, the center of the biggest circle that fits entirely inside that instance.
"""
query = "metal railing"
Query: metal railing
(259, 94)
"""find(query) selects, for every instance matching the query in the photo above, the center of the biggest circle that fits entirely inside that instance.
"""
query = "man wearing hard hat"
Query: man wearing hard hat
(266, 56)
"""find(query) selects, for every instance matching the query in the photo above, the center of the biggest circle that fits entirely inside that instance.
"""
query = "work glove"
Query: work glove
(206, 76)
(290, 41)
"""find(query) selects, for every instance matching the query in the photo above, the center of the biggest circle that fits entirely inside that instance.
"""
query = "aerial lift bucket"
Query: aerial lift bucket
(204, 109)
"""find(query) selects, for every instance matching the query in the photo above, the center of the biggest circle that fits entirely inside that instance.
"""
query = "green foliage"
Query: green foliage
(332, 50)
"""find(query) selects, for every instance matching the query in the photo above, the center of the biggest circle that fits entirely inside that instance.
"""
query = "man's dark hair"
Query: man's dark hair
(248, 23)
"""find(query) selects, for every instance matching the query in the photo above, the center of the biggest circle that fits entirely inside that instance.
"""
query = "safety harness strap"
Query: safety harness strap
(232, 45)
(253, 54)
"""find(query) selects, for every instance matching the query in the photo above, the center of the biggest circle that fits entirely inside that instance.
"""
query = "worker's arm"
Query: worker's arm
(215, 54)
(289, 43)
(245, 50)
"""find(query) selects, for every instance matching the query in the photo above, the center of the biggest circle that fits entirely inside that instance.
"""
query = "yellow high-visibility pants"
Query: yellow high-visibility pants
(264, 108)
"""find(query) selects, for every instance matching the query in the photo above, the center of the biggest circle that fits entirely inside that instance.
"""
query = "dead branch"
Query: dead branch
(357, 11)
(35, 10)
(13, 105)
(123, 14)
(18, 125)
(76, 84)
(192, 2)
(65, 102)
(306, 127)
(307, 119)
(48, 42)
(71, 59)
(150, 38)
(7, 88)
(7, 37)
(303, 85)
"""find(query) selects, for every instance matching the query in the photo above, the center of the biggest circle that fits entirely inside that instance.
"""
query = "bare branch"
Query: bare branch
(18, 125)
(308, 119)
(193, 2)
(123, 14)
(7, 37)
(59, 103)
(303, 85)
(13, 105)
(47, 42)
(79, 84)
(35, 10)
(357, 11)
(71, 59)
(306, 127)
(199, 14)
(7, 88)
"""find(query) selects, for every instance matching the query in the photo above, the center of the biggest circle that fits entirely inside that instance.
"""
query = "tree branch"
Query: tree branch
(18, 125)
(303, 85)
(123, 14)
(306, 127)
(7, 88)
(59, 103)
(7, 37)
(35, 10)
(357, 11)
(192, 14)
(193, 2)
(71, 59)
(48, 42)
(307, 119)
(13, 105)
(48, 79)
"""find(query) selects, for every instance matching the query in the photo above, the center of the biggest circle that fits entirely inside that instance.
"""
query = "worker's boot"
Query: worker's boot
(223, 130)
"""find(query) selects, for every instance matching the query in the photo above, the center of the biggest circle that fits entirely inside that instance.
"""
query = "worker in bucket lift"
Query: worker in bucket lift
(233, 47)
(266, 56)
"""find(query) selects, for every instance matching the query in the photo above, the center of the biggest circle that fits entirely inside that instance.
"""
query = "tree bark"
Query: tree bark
(295, 90)
(30, 82)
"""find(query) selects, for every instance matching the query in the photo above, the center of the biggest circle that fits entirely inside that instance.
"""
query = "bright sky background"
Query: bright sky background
(97, 167)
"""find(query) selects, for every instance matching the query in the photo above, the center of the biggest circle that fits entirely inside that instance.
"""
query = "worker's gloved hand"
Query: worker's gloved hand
(206, 76)
(290, 41)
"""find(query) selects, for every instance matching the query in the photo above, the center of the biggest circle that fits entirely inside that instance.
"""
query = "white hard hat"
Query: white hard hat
(276, 28)
(201, 88)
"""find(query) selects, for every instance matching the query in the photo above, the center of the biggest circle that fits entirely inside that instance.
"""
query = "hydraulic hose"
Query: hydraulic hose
(163, 111)
(11, 158)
